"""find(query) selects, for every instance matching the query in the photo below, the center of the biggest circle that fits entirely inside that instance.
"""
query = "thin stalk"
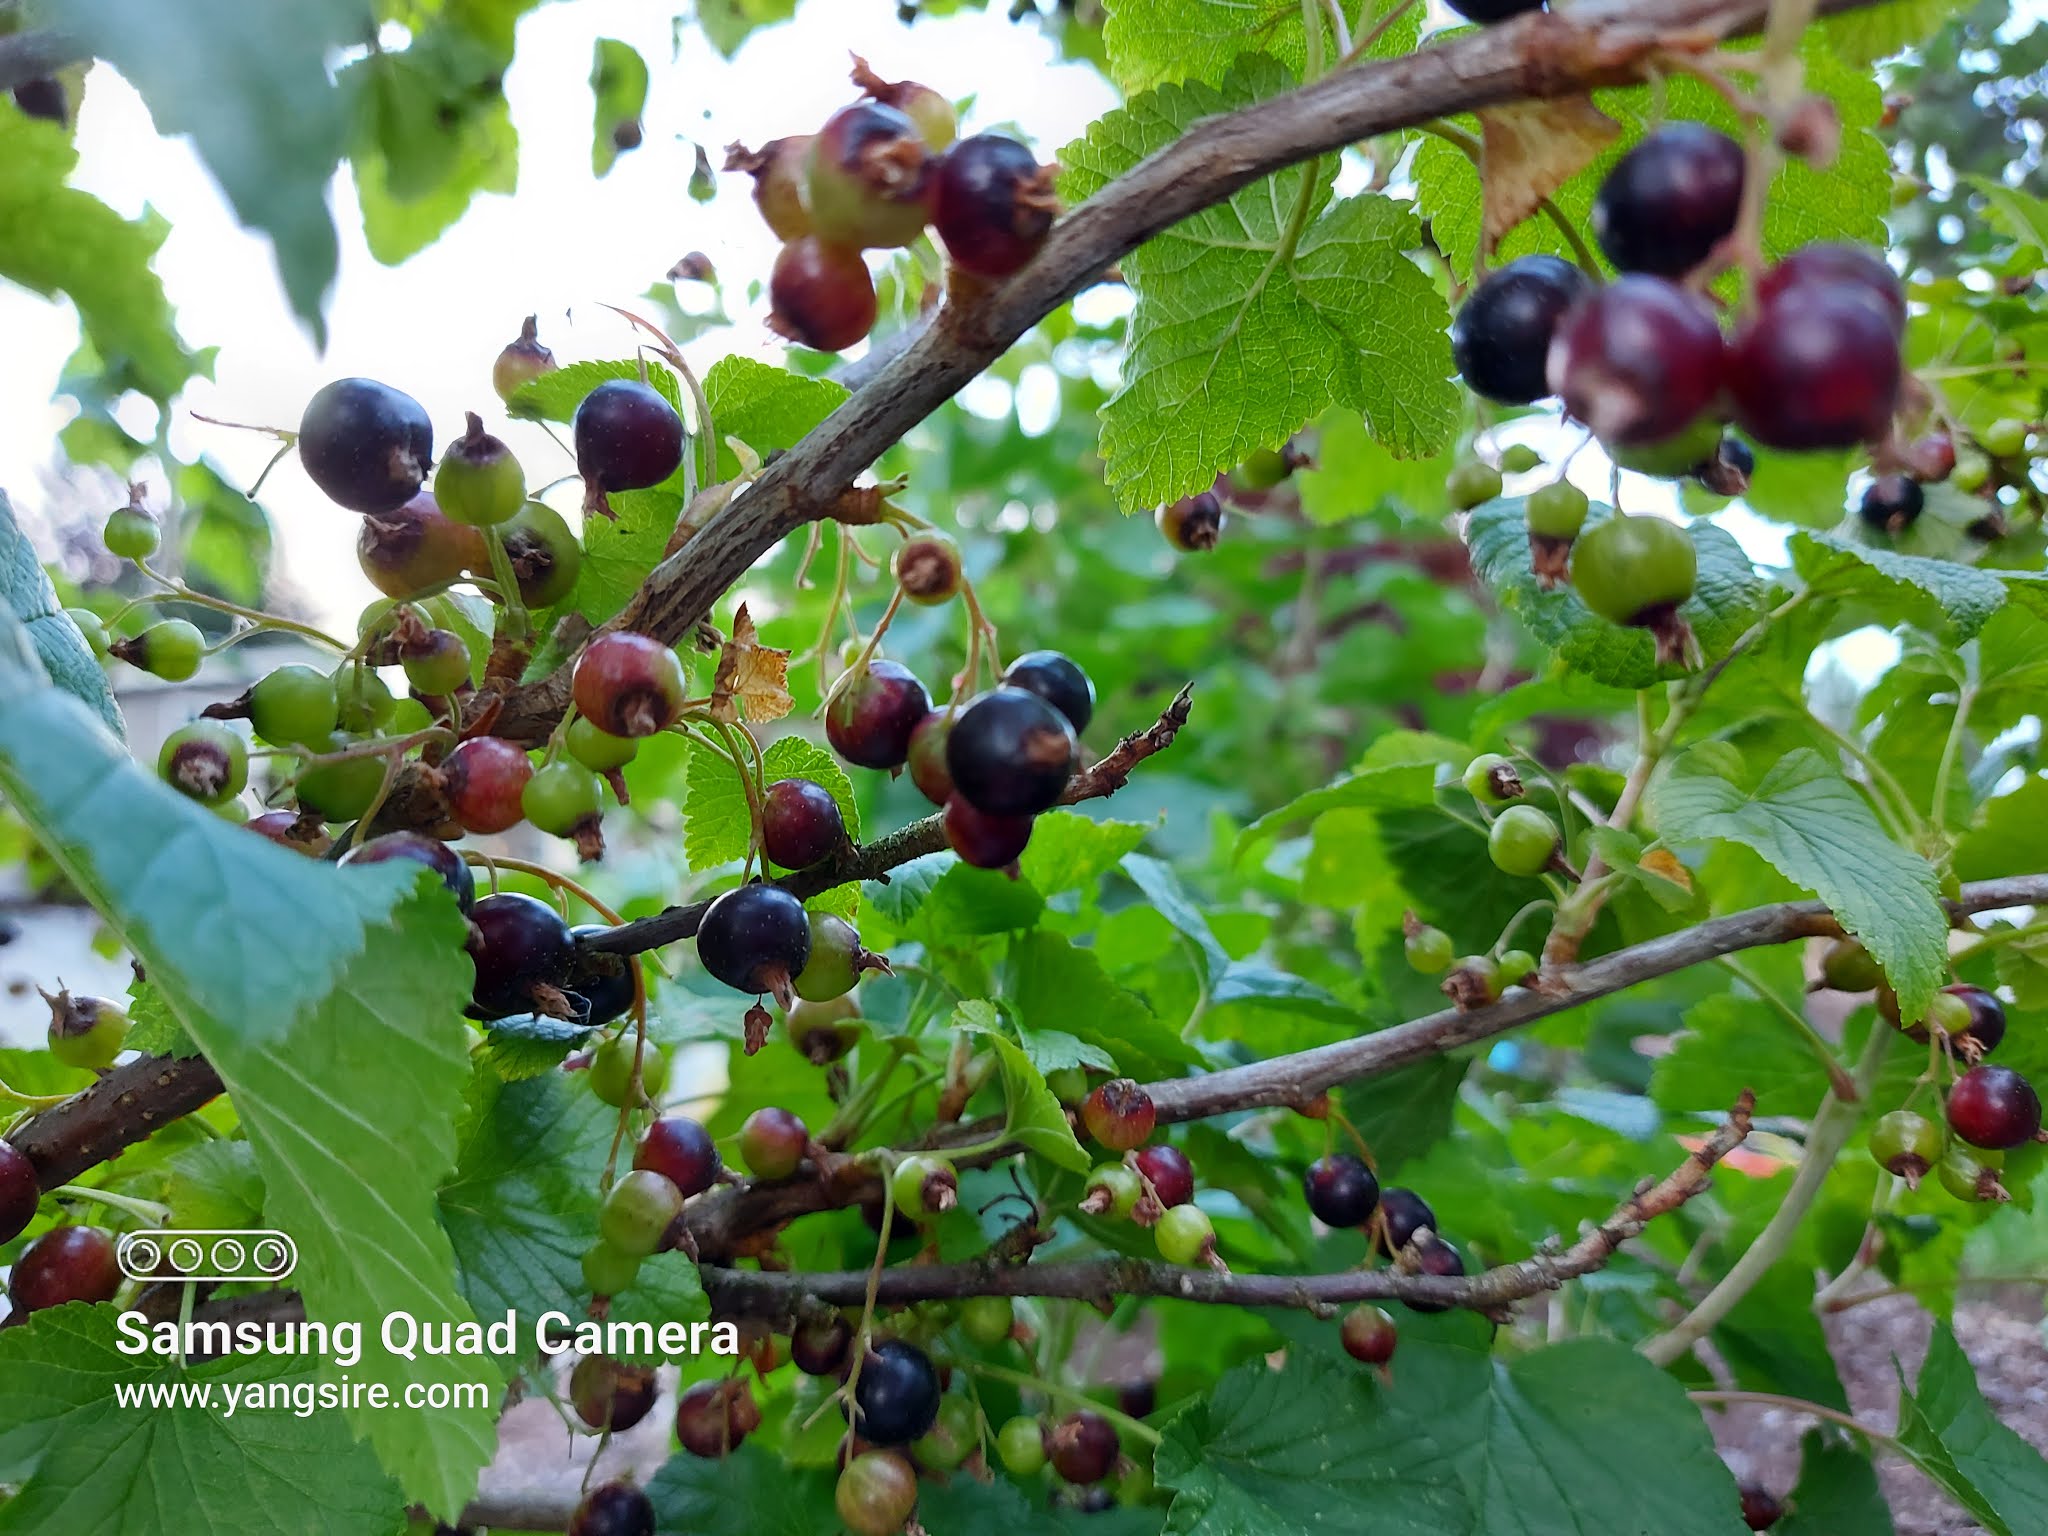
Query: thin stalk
(1125, 1424)
(142, 1210)
(1800, 1405)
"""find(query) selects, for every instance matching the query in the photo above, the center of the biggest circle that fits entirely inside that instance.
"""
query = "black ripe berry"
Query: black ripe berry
(1010, 753)
(1760, 1508)
(896, 1399)
(44, 98)
(822, 1346)
(1194, 523)
(982, 840)
(609, 1394)
(1434, 1256)
(1891, 504)
(1837, 268)
(416, 546)
(64, 1264)
(628, 685)
(992, 204)
(1169, 1172)
(613, 1509)
(519, 944)
(20, 1190)
(627, 438)
(1502, 334)
(1341, 1190)
(1818, 367)
(821, 296)
(872, 715)
(1637, 361)
(801, 824)
(1082, 1447)
(866, 178)
(713, 1417)
(366, 445)
(1986, 1027)
(1994, 1108)
(755, 939)
(428, 852)
(1492, 10)
(927, 758)
(601, 988)
(1368, 1335)
(1119, 1114)
(1057, 680)
(1669, 201)
(681, 1151)
(1403, 1213)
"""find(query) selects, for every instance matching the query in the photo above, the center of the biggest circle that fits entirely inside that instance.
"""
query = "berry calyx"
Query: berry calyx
(756, 938)
(416, 546)
(1059, 681)
(1637, 361)
(436, 661)
(170, 649)
(837, 960)
(428, 852)
(1670, 200)
(927, 758)
(1848, 967)
(1168, 1171)
(85, 1032)
(1341, 1190)
(1472, 982)
(1368, 1335)
(982, 840)
(1402, 1214)
(988, 1320)
(20, 1191)
(1194, 523)
(1492, 779)
(927, 567)
(872, 715)
(1503, 332)
(1522, 841)
(1994, 1108)
(628, 438)
(609, 1394)
(934, 115)
(479, 483)
(131, 534)
(821, 295)
(366, 445)
(1020, 1444)
(1817, 368)
(1636, 571)
(1429, 950)
(1972, 1176)
(1471, 484)
(1433, 1256)
(543, 553)
(1979, 1027)
(681, 1151)
(1907, 1145)
(522, 361)
(896, 1399)
(992, 204)
(637, 1214)
(613, 1509)
(1185, 1235)
(773, 1142)
(1891, 504)
(1760, 1509)
(294, 705)
(65, 1264)
(779, 170)
(866, 177)
(1010, 753)
(484, 781)
(522, 949)
(1827, 265)
(565, 799)
(823, 1033)
(611, 1072)
(821, 1346)
(925, 1185)
(1113, 1190)
(1119, 1114)
(713, 1417)
(877, 1493)
(801, 823)
(628, 685)
(1082, 1447)
(204, 761)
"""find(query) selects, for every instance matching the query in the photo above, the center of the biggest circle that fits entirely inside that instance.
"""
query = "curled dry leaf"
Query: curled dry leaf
(751, 677)
(1531, 149)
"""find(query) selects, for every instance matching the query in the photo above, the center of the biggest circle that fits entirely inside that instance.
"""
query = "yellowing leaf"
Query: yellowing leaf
(751, 677)
(1531, 149)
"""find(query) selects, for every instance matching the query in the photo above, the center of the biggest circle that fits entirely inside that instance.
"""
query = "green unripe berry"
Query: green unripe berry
(1971, 471)
(86, 1032)
(1947, 1013)
(637, 1214)
(1557, 510)
(1471, 484)
(1429, 950)
(1262, 469)
(836, 960)
(1671, 456)
(1519, 459)
(1522, 841)
(132, 534)
(598, 750)
(438, 664)
(407, 716)
(1184, 1235)
(608, 1272)
(1473, 982)
(611, 1072)
(339, 791)
(1492, 780)
(1068, 1084)
(988, 1320)
(1970, 1174)
(90, 629)
(1113, 1190)
(205, 761)
(1907, 1145)
(1513, 965)
(479, 482)
(953, 1438)
(294, 706)
(1021, 1445)
(1848, 967)
(2005, 438)
(561, 797)
(1630, 569)
(170, 649)
(362, 701)
(924, 1186)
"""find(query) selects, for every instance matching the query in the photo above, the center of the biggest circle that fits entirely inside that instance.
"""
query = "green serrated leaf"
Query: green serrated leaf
(1863, 36)
(618, 87)
(2011, 837)
(1402, 1114)
(1070, 852)
(1034, 1116)
(764, 407)
(748, 1493)
(1732, 1043)
(1056, 986)
(2020, 215)
(1157, 42)
(554, 395)
(1932, 593)
(25, 592)
(216, 1184)
(1837, 1494)
(1951, 1434)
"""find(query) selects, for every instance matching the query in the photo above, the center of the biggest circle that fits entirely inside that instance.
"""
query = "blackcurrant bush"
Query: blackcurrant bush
(613, 1509)
(204, 761)
(1341, 1190)
(772, 1143)
(1502, 334)
(1636, 571)
(713, 1417)
(1185, 1235)
(20, 1191)
(1818, 369)
(1168, 1171)
(925, 1185)
(1119, 1114)
(1020, 1443)
(1835, 268)
(1971, 1175)
(821, 1346)
(362, 700)
(1492, 779)
(985, 841)
(609, 1394)
(1082, 1447)
(837, 960)
(1994, 1108)
(821, 296)
(2005, 438)
(934, 115)
(543, 552)
(366, 445)
(871, 717)
(1403, 1213)
(86, 1032)
(483, 780)
(1492, 10)
(628, 685)
(988, 1320)
(601, 988)
(1726, 471)
(1891, 504)
(608, 1272)
(681, 1151)
(992, 204)
(1760, 1510)
(1194, 523)
(628, 438)
(1848, 967)
(1434, 1256)
(1057, 680)
(611, 1072)
(823, 1033)
(1429, 950)
(952, 1439)
(522, 361)
(866, 181)
(1010, 753)
(131, 534)
(338, 791)
(1984, 1026)
(564, 799)
(779, 169)
(1522, 841)
(801, 823)
(596, 749)
(1637, 361)
(518, 943)
(896, 1399)
(170, 649)
(1670, 200)
(927, 759)
(479, 482)
(1368, 1335)
(65, 1264)
(416, 547)
(1113, 1190)
(927, 567)
(637, 1214)
(1907, 1145)
(428, 852)
(877, 1493)
(1471, 484)
(436, 662)
(294, 706)
(755, 938)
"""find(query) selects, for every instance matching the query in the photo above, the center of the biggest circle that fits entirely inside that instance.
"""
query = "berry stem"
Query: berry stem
(513, 626)
(1839, 1081)
(146, 1211)
(1137, 1429)
(176, 591)
(1826, 1303)
(33, 1101)
(1966, 699)
(1801, 1405)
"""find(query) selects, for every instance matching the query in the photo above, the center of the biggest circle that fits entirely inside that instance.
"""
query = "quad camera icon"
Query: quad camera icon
(215, 1254)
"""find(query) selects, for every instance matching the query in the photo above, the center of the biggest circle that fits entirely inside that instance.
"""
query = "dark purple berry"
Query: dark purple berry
(1057, 680)
(601, 987)
(519, 944)
(681, 1151)
(896, 1399)
(1987, 1020)
(613, 1509)
(1342, 1191)
(993, 204)
(609, 1394)
(1403, 1213)
(1082, 1447)
(1501, 338)
(1637, 361)
(1891, 504)
(1492, 10)
(65, 1264)
(627, 438)
(801, 824)
(1817, 368)
(1671, 200)
(985, 841)
(755, 939)
(20, 1191)
(1434, 1256)
(872, 715)
(1760, 1509)
(1010, 753)
(1828, 267)
(429, 852)
(822, 1346)
(1169, 1172)
(366, 445)
(1994, 1108)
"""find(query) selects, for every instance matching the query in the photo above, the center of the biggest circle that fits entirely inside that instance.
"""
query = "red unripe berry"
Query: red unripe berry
(773, 1142)
(628, 685)
(1994, 1108)
(1637, 361)
(681, 1151)
(1670, 200)
(482, 780)
(1760, 1508)
(1082, 1447)
(65, 1264)
(1119, 1114)
(1369, 1335)
(417, 546)
(928, 769)
(866, 180)
(871, 717)
(820, 295)
(985, 841)
(778, 169)
(713, 1417)
(1169, 1172)
(20, 1191)
(821, 1347)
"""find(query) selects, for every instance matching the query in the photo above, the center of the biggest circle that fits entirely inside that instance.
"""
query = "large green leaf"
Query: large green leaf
(764, 407)
(1953, 1436)
(25, 592)
(1910, 585)
(1837, 1494)
(1156, 42)
(1732, 1043)
(1055, 985)
(1034, 1116)
(749, 1493)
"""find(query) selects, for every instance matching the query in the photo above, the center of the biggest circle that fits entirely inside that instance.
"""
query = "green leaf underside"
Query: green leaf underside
(25, 591)
(1932, 593)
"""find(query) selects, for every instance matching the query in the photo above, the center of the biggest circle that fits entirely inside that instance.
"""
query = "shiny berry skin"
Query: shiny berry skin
(984, 841)
(1113, 1190)
(363, 702)
(877, 1493)
(871, 717)
(1184, 1235)
(294, 706)
(1194, 523)
(801, 823)
(562, 799)
(608, 1272)
(170, 649)
(1994, 1108)
(755, 939)
(637, 1214)
(837, 960)
(1727, 470)
(680, 1150)
(65, 1264)
(1931, 457)
(428, 852)
(627, 438)
(1636, 571)
(867, 178)
(522, 361)
(1119, 1114)
(1986, 1023)
(416, 546)
(1471, 484)
(1907, 1145)
(1637, 361)
(779, 169)
(609, 1394)
(1760, 1510)
(823, 1033)
(20, 1191)
(518, 943)
(483, 780)
(90, 629)
(602, 987)
(613, 1509)
(1169, 1172)
(772, 1143)
(479, 482)
(821, 296)
(1513, 965)
(927, 759)
(822, 1346)
(1435, 1257)
(436, 663)
(1020, 1443)
(596, 749)
(1368, 1335)
(1492, 10)
(339, 791)
(992, 204)
(1818, 369)
(1670, 200)
(1082, 1447)
(1057, 680)
(131, 534)
(1831, 267)
(1502, 334)
(1972, 1176)
(1847, 967)
(1891, 504)
(1429, 950)
(86, 1032)
(1010, 753)
(925, 1185)
(611, 1072)
(1403, 1213)
(713, 1417)
(988, 1320)
(1341, 1190)
(366, 445)
(1522, 841)
(628, 685)
(1492, 779)
(897, 1396)
(545, 557)
(204, 761)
